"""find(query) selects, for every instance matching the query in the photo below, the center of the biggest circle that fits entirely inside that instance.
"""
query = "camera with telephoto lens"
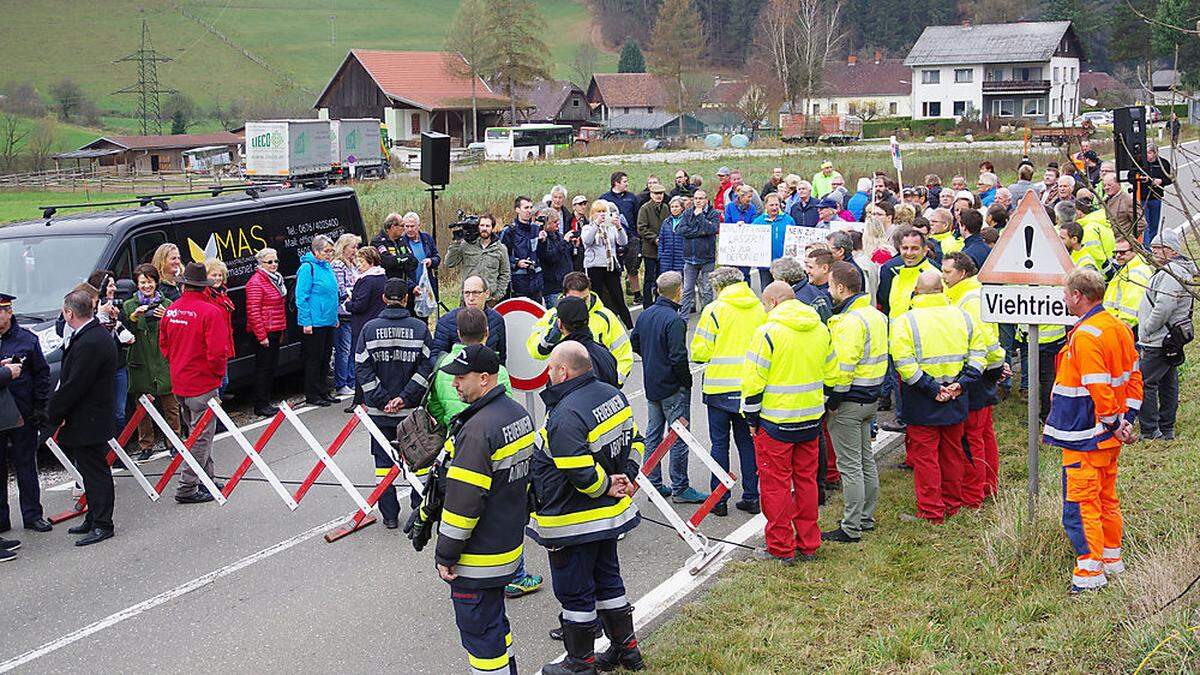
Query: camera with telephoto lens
(465, 228)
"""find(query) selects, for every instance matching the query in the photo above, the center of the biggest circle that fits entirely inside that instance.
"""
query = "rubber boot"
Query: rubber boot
(622, 643)
(581, 655)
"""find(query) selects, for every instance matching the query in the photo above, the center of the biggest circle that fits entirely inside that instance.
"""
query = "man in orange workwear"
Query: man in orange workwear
(1097, 394)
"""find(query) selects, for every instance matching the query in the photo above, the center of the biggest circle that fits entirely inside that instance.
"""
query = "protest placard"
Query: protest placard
(744, 245)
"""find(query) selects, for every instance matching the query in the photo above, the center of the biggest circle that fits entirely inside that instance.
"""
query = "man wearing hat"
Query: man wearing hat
(827, 212)
(822, 181)
(481, 535)
(1165, 306)
(394, 366)
(194, 339)
(25, 379)
(722, 188)
(649, 221)
(573, 323)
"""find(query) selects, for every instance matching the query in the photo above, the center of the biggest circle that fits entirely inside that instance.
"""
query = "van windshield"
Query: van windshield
(41, 270)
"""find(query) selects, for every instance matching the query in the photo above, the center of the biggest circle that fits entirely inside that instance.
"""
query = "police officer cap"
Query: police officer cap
(572, 311)
(6, 300)
(473, 359)
(396, 289)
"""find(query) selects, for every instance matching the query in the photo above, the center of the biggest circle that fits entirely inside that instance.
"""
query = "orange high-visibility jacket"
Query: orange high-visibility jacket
(1097, 382)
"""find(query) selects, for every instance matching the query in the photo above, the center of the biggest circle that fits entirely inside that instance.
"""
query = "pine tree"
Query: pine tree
(518, 57)
(676, 51)
(632, 60)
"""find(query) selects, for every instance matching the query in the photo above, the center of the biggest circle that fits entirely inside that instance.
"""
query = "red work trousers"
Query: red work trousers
(980, 480)
(937, 459)
(787, 485)
(832, 476)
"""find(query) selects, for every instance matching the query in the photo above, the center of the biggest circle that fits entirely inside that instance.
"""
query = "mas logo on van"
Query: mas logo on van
(229, 245)
(202, 254)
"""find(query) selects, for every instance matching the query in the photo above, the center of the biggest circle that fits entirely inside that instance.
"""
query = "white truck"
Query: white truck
(357, 148)
(286, 149)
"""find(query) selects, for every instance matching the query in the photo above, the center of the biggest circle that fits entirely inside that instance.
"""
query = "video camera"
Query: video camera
(466, 228)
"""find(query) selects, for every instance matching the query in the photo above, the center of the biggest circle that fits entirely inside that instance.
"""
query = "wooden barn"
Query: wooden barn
(146, 154)
(411, 92)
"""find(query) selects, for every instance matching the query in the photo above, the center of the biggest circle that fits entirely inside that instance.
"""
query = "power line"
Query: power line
(147, 88)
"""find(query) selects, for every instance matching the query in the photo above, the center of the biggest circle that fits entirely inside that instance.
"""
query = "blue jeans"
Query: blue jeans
(343, 357)
(121, 399)
(1008, 341)
(659, 416)
(1153, 214)
(719, 423)
(695, 276)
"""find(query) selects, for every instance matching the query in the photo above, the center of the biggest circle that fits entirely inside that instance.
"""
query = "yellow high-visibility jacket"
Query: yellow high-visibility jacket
(606, 328)
(859, 334)
(725, 328)
(933, 345)
(1124, 293)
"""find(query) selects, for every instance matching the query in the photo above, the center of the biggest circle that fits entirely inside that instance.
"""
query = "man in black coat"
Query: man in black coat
(83, 406)
(573, 323)
(28, 391)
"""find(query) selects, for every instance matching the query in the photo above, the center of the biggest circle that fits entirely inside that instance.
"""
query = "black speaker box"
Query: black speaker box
(435, 158)
(1129, 140)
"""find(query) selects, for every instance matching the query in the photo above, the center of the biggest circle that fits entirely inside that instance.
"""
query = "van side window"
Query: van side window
(139, 250)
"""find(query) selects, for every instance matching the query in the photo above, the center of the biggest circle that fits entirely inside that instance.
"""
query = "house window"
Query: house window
(931, 77)
(892, 108)
(1002, 107)
(852, 108)
(1072, 74)
(962, 75)
(1055, 74)
(816, 109)
(625, 110)
(415, 127)
(1027, 74)
(833, 108)
(960, 108)
(931, 109)
(995, 74)
(1053, 106)
(574, 103)
(1033, 107)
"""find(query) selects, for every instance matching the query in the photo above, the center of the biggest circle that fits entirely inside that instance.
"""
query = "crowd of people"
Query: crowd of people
(883, 314)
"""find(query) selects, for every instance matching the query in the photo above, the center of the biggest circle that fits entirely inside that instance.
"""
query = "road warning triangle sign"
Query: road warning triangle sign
(1029, 250)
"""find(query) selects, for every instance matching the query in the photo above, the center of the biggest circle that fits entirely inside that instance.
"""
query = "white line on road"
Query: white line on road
(167, 596)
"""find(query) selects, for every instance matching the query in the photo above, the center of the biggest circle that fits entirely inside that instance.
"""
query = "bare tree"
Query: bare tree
(818, 35)
(41, 145)
(676, 53)
(228, 115)
(584, 64)
(468, 36)
(13, 131)
(867, 109)
(779, 47)
(756, 106)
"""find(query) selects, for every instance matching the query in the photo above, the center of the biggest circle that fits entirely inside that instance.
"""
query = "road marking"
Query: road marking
(167, 596)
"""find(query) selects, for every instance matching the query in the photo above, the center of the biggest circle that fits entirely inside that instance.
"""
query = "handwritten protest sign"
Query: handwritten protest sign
(797, 237)
(743, 245)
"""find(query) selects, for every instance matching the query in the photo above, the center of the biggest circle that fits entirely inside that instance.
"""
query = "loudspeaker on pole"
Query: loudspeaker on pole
(435, 159)
(1129, 141)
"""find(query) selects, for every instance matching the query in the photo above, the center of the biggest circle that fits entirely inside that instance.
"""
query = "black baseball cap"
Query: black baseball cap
(473, 359)
(572, 311)
(396, 289)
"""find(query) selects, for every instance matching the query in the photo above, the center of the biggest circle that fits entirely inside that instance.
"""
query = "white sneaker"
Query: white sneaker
(345, 391)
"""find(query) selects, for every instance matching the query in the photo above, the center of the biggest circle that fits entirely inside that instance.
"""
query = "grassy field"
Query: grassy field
(81, 40)
(983, 594)
(22, 205)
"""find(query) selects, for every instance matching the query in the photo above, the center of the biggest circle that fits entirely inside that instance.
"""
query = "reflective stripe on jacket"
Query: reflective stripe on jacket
(788, 364)
(859, 334)
(935, 345)
(1124, 294)
(589, 436)
(725, 328)
(606, 328)
(966, 295)
(897, 283)
(1097, 381)
(483, 520)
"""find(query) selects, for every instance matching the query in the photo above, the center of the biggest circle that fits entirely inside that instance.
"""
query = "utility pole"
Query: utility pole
(146, 89)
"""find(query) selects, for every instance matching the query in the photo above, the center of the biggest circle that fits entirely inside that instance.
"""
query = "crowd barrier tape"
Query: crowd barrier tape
(253, 451)
(703, 551)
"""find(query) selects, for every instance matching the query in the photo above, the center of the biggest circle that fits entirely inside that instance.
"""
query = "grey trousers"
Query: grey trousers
(191, 409)
(696, 276)
(850, 432)
(1160, 392)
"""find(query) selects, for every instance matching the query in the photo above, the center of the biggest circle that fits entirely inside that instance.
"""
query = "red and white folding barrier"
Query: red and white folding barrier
(360, 519)
(703, 551)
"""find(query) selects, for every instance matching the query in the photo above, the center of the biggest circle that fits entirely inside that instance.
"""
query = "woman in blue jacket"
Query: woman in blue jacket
(317, 315)
(779, 221)
(670, 238)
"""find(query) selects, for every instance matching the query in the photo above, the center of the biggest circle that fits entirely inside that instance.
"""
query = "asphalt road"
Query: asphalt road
(252, 586)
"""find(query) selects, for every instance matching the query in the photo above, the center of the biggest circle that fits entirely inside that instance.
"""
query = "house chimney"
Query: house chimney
(878, 56)
(852, 60)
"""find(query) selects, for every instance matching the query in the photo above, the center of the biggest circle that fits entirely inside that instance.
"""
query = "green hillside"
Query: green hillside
(49, 39)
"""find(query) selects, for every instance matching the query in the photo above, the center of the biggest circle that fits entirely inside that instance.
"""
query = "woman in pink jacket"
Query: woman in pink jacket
(266, 320)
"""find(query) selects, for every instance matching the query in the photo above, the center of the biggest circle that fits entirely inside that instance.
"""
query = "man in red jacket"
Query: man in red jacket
(194, 339)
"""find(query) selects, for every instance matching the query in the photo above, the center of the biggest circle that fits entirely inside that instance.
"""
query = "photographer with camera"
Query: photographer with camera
(525, 241)
(479, 254)
(558, 248)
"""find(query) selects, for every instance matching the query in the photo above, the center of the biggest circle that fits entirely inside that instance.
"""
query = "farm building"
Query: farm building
(146, 154)
(613, 94)
(655, 125)
(411, 92)
(554, 102)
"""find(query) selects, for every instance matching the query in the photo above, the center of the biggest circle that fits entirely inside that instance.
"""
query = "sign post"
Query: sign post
(1022, 284)
(897, 161)
(526, 373)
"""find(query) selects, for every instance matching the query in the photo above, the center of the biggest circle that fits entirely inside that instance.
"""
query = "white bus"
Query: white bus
(527, 141)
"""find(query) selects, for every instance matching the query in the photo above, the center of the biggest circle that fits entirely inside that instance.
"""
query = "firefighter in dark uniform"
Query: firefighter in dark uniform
(483, 518)
(394, 367)
(18, 446)
(582, 483)
(398, 259)
(572, 323)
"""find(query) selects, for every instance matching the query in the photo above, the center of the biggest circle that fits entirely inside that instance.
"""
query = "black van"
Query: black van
(40, 261)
